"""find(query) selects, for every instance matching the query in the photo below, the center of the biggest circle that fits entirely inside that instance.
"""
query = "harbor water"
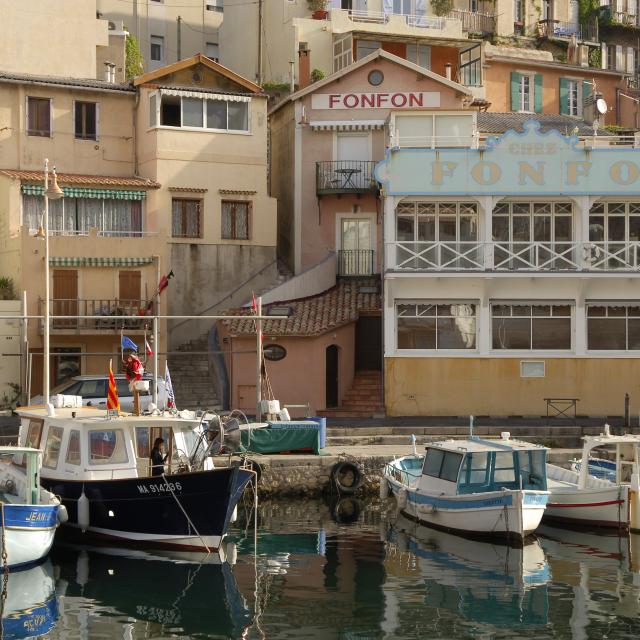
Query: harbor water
(347, 570)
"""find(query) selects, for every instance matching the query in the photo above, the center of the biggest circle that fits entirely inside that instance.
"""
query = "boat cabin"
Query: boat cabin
(83, 443)
(457, 467)
(20, 475)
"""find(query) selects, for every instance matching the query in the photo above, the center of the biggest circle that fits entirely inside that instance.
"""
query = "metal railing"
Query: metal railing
(474, 21)
(105, 308)
(104, 233)
(587, 32)
(345, 176)
(514, 256)
(356, 262)
(411, 20)
(626, 18)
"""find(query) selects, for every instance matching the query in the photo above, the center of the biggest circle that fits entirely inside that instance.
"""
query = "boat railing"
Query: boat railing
(404, 476)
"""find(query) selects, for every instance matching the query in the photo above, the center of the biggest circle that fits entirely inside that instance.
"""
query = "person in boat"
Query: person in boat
(157, 457)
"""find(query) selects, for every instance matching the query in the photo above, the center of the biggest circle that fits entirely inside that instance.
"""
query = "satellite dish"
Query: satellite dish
(601, 106)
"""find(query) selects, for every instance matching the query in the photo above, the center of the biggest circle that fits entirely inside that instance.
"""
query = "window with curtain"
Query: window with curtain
(235, 220)
(192, 112)
(39, 117)
(186, 218)
(531, 327)
(613, 327)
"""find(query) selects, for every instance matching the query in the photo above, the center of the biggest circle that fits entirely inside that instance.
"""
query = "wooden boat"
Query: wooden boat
(578, 498)
(475, 487)
(100, 468)
(29, 515)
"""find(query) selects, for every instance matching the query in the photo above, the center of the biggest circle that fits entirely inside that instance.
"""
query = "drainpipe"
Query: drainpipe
(447, 71)
(260, 19)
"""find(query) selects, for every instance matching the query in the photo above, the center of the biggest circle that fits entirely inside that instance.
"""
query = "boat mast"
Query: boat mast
(258, 358)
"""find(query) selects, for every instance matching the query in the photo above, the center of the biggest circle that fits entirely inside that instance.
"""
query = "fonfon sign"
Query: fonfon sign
(531, 163)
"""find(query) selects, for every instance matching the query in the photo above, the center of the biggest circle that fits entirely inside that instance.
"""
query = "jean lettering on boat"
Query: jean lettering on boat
(36, 516)
(160, 487)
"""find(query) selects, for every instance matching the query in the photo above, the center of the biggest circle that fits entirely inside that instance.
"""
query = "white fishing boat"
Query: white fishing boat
(485, 488)
(29, 514)
(579, 498)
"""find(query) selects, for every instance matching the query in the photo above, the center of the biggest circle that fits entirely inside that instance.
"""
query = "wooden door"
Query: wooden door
(369, 343)
(65, 297)
(129, 291)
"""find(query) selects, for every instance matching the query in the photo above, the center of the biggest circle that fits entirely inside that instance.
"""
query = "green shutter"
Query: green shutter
(515, 91)
(564, 96)
(586, 92)
(537, 96)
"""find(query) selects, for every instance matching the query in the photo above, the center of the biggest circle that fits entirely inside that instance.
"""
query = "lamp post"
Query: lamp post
(50, 193)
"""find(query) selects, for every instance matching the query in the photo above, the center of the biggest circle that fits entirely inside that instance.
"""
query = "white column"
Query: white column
(45, 355)
(389, 232)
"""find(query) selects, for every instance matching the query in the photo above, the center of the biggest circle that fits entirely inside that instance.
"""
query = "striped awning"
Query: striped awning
(60, 261)
(85, 192)
(185, 93)
(346, 125)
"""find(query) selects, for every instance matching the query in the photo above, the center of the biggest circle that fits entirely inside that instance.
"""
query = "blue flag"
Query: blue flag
(128, 343)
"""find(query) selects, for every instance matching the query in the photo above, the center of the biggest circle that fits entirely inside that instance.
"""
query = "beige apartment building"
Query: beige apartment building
(169, 173)
(167, 30)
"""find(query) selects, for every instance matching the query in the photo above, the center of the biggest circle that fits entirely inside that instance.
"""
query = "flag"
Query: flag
(113, 402)
(147, 348)
(168, 387)
(128, 343)
(254, 303)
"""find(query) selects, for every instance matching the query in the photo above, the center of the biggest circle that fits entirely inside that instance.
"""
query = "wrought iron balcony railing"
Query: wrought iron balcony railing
(587, 32)
(356, 262)
(104, 308)
(475, 21)
(345, 176)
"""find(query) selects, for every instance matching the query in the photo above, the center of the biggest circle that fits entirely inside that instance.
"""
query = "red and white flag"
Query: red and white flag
(147, 348)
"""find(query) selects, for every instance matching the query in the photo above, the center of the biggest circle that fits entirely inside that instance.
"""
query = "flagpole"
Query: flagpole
(155, 360)
(259, 360)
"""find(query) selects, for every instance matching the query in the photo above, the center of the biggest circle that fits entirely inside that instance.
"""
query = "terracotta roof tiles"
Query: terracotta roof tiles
(71, 178)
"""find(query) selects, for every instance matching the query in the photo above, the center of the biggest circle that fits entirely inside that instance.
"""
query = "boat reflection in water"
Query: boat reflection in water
(30, 609)
(484, 582)
(183, 592)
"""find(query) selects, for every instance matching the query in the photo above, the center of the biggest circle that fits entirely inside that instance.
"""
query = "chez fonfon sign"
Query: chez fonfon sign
(529, 163)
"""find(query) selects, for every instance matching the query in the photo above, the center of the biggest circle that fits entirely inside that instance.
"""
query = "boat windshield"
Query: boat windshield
(484, 471)
(442, 464)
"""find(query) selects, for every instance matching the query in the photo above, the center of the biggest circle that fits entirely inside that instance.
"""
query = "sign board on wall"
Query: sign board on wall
(392, 100)
(528, 163)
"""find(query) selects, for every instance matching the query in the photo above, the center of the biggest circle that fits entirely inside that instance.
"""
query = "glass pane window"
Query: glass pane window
(186, 218)
(216, 114)
(107, 446)
(531, 327)
(192, 112)
(572, 94)
(525, 93)
(613, 327)
(34, 433)
(143, 448)
(235, 220)
(52, 447)
(39, 117)
(86, 120)
(433, 463)
(442, 326)
(450, 466)
(238, 116)
(73, 448)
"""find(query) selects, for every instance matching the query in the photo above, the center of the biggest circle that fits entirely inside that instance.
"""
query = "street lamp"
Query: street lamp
(51, 192)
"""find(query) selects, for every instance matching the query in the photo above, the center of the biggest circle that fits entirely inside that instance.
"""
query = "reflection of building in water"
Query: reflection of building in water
(486, 584)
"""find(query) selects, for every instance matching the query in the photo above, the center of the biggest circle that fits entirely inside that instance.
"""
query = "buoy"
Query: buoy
(385, 490)
(346, 476)
(83, 512)
(63, 514)
(232, 553)
(401, 499)
(234, 514)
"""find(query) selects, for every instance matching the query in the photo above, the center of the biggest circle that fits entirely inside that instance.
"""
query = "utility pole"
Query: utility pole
(260, 45)
(179, 38)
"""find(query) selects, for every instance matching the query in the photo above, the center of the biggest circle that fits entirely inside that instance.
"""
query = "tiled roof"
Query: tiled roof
(72, 178)
(315, 315)
(81, 83)
(489, 122)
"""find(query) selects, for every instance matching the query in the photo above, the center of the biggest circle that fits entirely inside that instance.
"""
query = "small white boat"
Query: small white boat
(29, 514)
(484, 488)
(579, 498)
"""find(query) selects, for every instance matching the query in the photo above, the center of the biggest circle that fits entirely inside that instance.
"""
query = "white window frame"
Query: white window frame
(460, 353)
(531, 79)
(574, 88)
(609, 303)
(156, 40)
(533, 303)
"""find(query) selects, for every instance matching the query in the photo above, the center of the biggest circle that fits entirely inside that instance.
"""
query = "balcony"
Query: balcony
(475, 21)
(104, 308)
(514, 256)
(559, 30)
(356, 262)
(345, 176)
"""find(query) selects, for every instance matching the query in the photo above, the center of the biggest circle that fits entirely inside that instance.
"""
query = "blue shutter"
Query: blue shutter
(515, 91)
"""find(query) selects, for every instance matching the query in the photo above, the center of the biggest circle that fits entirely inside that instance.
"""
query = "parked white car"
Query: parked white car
(93, 390)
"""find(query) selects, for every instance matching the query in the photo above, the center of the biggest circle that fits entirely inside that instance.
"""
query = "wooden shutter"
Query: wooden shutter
(515, 91)
(630, 58)
(564, 96)
(130, 285)
(537, 94)
(65, 296)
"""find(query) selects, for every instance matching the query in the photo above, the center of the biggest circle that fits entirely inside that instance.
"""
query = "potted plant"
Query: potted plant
(318, 9)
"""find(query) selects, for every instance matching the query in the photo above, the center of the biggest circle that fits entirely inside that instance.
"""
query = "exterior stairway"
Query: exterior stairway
(191, 378)
(362, 400)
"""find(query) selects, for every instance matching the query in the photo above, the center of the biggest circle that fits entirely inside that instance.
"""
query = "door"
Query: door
(331, 399)
(129, 288)
(352, 166)
(356, 253)
(369, 343)
(65, 297)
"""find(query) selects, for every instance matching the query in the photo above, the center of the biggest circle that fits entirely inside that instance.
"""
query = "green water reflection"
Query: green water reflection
(380, 576)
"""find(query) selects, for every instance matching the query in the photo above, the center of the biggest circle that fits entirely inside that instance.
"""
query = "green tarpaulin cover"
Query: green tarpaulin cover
(278, 440)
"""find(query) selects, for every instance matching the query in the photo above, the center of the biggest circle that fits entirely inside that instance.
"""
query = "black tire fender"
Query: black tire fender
(346, 476)
(346, 510)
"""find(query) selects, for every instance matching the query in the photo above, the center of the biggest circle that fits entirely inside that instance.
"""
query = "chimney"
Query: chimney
(447, 71)
(304, 66)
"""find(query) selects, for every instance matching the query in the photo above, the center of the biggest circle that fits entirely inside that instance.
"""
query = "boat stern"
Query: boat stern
(533, 505)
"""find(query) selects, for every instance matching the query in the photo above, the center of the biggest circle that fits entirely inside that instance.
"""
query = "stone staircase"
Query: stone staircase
(363, 399)
(191, 377)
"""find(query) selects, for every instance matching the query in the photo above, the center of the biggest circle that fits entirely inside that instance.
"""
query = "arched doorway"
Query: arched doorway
(331, 368)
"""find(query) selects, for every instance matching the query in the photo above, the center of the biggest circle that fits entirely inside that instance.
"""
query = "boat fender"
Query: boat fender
(401, 499)
(346, 477)
(232, 553)
(385, 490)
(234, 514)
(83, 512)
(63, 514)
(346, 510)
